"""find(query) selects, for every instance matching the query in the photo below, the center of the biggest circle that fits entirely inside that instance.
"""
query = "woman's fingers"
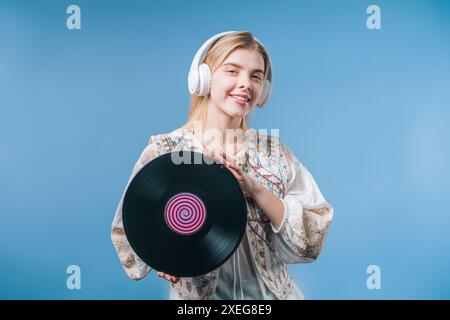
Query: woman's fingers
(235, 167)
(226, 157)
(168, 277)
(235, 173)
(228, 162)
(220, 156)
(172, 279)
(213, 155)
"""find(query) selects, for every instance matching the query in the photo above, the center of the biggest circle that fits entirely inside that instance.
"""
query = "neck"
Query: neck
(220, 129)
(228, 126)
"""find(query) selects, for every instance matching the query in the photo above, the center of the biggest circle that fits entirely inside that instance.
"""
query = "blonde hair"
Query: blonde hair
(216, 53)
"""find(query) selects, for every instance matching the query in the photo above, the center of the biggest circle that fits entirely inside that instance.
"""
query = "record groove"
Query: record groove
(184, 219)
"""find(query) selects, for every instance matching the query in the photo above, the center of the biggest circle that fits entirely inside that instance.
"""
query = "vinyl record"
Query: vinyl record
(184, 219)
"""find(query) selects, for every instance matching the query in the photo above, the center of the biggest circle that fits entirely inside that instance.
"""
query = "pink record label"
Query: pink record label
(185, 213)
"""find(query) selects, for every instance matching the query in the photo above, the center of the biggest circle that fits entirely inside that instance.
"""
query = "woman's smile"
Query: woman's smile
(239, 100)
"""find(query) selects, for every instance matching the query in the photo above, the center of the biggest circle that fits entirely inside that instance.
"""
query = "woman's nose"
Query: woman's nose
(244, 82)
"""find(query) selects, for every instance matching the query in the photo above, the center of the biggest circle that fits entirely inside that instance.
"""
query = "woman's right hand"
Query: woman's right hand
(168, 277)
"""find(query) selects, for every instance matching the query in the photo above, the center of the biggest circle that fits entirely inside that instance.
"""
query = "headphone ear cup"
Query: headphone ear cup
(204, 79)
(193, 81)
(265, 94)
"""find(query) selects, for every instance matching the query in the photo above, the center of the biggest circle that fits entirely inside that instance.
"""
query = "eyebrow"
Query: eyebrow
(238, 66)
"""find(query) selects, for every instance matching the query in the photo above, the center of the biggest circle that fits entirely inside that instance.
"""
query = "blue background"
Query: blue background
(366, 111)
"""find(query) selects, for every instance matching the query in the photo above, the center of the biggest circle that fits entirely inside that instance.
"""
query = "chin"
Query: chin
(235, 111)
(236, 114)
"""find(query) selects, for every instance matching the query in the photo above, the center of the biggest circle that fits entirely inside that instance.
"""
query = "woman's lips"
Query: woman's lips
(238, 101)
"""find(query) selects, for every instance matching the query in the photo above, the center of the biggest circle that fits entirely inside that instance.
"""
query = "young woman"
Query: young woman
(288, 217)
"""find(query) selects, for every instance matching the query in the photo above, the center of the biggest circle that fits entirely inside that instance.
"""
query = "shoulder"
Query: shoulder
(167, 141)
(159, 138)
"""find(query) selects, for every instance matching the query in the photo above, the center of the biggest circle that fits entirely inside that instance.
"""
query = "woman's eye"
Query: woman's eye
(235, 72)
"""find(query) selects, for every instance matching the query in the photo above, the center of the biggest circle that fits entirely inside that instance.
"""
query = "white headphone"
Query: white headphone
(199, 79)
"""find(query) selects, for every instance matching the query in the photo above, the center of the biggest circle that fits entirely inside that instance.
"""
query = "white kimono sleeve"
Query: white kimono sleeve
(135, 268)
(307, 216)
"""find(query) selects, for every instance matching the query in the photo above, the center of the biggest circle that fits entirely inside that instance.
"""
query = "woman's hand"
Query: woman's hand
(168, 277)
(248, 184)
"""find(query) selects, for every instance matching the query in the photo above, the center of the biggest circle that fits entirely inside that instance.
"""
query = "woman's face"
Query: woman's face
(241, 74)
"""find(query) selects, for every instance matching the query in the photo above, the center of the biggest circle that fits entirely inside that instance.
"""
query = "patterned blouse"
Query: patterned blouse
(257, 269)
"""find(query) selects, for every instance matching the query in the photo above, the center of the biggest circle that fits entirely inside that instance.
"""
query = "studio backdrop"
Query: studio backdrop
(360, 94)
